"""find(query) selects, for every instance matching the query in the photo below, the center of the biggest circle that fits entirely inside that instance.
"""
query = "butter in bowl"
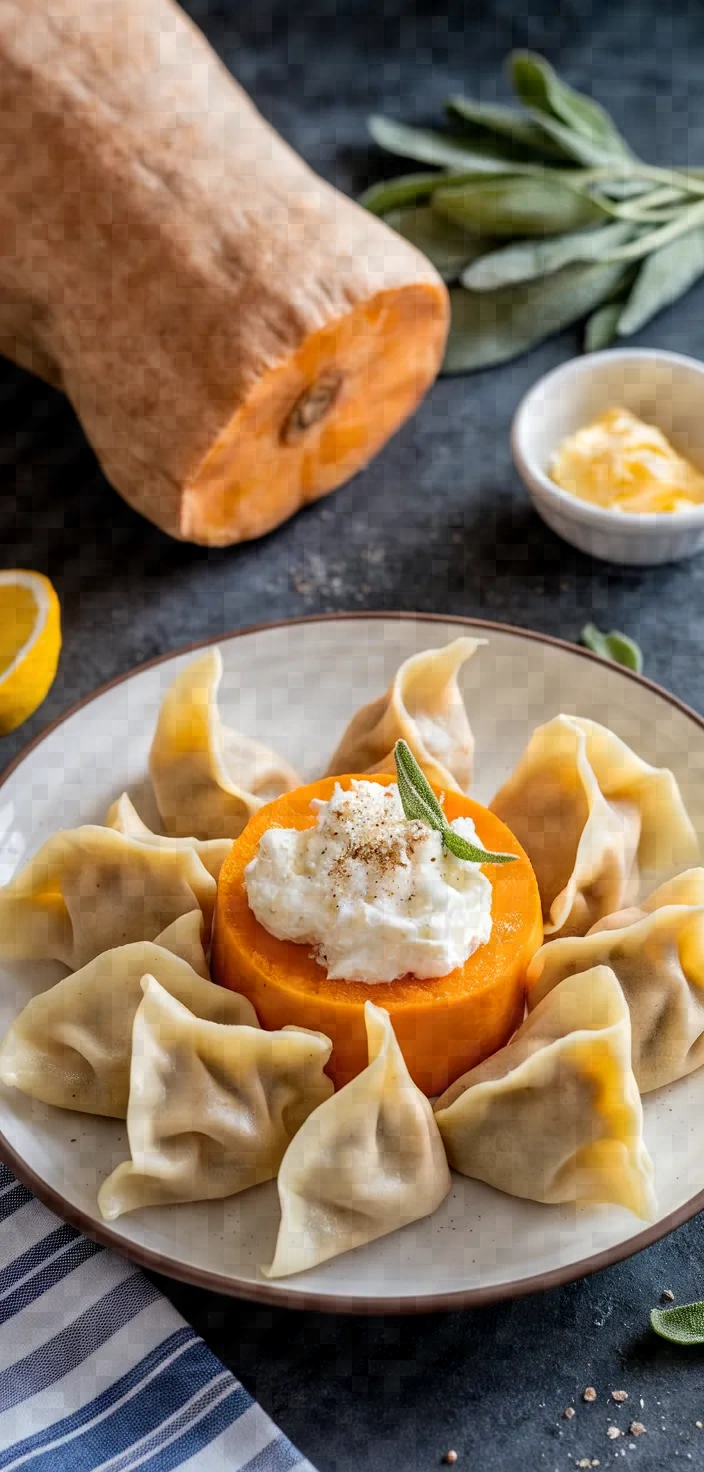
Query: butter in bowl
(611, 448)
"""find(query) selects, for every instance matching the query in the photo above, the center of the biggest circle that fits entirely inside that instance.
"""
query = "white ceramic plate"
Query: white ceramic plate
(295, 686)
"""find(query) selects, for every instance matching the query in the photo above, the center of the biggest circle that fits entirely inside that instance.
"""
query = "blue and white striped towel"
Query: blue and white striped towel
(98, 1371)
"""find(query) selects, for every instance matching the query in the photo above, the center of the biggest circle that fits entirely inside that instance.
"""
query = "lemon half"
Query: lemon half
(30, 643)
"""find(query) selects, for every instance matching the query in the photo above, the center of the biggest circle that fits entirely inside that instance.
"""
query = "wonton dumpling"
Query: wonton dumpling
(683, 889)
(424, 707)
(71, 1045)
(592, 818)
(367, 1161)
(555, 1115)
(91, 889)
(212, 1108)
(658, 959)
(187, 939)
(209, 780)
(124, 818)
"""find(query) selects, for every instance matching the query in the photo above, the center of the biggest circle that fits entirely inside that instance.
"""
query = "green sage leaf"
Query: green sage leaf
(518, 206)
(602, 327)
(504, 128)
(413, 806)
(681, 1325)
(528, 259)
(417, 796)
(579, 149)
(470, 852)
(408, 189)
(540, 89)
(420, 803)
(663, 277)
(448, 246)
(493, 326)
(428, 147)
(392, 194)
(616, 647)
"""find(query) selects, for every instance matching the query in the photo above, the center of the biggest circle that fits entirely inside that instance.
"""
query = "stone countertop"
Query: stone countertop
(439, 522)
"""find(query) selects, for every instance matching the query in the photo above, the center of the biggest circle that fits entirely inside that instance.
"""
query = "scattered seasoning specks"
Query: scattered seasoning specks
(619, 1396)
(589, 1394)
(698, 1425)
(637, 1428)
(613, 1433)
(568, 1413)
(588, 1462)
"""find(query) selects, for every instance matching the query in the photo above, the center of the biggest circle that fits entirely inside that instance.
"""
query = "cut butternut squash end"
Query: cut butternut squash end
(315, 420)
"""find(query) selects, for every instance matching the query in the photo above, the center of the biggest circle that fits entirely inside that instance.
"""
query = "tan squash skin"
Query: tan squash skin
(236, 336)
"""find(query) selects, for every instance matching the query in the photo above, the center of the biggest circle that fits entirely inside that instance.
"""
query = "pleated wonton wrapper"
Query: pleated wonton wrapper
(556, 1115)
(424, 707)
(592, 818)
(71, 1045)
(212, 1108)
(657, 953)
(208, 779)
(683, 889)
(124, 818)
(90, 889)
(366, 1162)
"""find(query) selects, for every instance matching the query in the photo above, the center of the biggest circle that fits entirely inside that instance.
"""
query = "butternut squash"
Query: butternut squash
(444, 1026)
(236, 336)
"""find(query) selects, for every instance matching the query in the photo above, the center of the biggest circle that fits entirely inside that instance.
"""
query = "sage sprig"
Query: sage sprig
(420, 804)
(614, 646)
(548, 197)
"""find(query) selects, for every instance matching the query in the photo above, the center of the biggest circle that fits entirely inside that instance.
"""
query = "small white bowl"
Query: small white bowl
(666, 389)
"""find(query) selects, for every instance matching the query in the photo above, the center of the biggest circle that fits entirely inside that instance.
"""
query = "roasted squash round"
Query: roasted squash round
(445, 1025)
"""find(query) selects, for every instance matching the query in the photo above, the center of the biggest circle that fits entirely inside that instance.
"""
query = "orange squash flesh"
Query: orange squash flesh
(312, 422)
(445, 1025)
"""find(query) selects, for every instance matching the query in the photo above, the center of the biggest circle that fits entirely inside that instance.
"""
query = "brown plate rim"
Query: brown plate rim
(270, 1293)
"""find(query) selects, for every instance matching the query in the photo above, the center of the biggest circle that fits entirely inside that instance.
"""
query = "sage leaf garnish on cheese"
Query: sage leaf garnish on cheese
(420, 804)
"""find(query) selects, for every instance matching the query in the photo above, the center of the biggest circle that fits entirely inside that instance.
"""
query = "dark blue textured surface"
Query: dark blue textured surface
(439, 522)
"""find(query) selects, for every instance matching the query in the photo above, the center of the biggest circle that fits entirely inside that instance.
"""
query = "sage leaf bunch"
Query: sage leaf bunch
(420, 804)
(539, 216)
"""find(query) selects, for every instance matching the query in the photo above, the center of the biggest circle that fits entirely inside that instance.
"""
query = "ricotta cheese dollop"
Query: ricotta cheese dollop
(376, 896)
